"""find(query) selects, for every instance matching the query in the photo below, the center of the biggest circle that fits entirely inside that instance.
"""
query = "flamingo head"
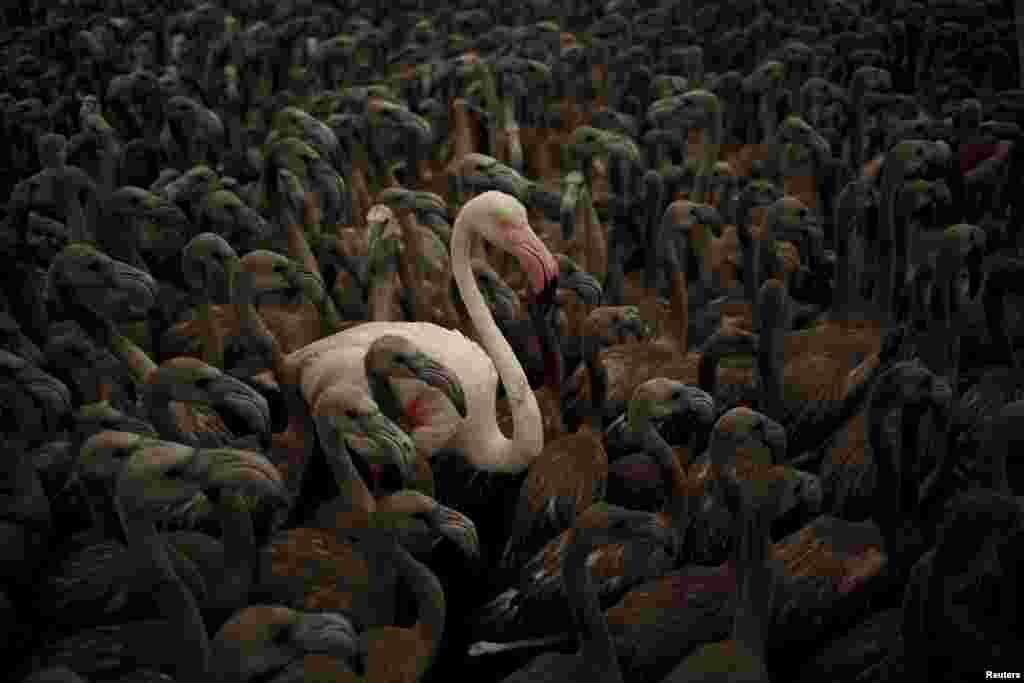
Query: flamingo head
(501, 220)
(395, 356)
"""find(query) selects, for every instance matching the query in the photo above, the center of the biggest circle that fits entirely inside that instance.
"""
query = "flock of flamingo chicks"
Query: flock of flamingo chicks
(347, 342)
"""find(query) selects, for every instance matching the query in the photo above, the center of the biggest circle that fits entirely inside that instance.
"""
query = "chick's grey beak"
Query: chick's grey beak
(138, 290)
(586, 287)
(444, 380)
(708, 215)
(243, 401)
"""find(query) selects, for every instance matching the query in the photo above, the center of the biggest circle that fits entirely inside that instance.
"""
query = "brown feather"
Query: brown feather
(550, 411)
(570, 467)
(396, 655)
(294, 325)
(326, 574)
(848, 471)
(872, 170)
(850, 449)
(571, 472)
(606, 563)
(350, 244)
(194, 419)
(323, 668)
(845, 560)
(224, 323)
(805, 188)
(825, 362)
(743, 160)
(691, 586)
(628, 366)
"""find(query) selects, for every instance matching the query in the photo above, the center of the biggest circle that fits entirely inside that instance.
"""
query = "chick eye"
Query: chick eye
(677, 394)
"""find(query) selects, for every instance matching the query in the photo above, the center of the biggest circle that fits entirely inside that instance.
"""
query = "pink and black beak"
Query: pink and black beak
(544, 314)
(542, 304)
(541, 269)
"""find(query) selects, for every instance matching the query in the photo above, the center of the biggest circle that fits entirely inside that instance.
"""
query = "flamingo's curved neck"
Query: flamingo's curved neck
(885, 282)
(755, 583)
(483, 437)
(596, 645)
(655, 200)
(857, 90)
(887, 504)
(173, 597)
(999, 447)
(752, 258)
(845, 216)
(598, 388)
(76, 221)
(769, 363)
(140, 365)
(213, 348)
(940, 483)
(430, 601)
(995, 317)
(769, 117)
(383, 392)
(240, 551)
(944, 359)
(712, 146)
(676, 502)
(707, 370)
(251, 324)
